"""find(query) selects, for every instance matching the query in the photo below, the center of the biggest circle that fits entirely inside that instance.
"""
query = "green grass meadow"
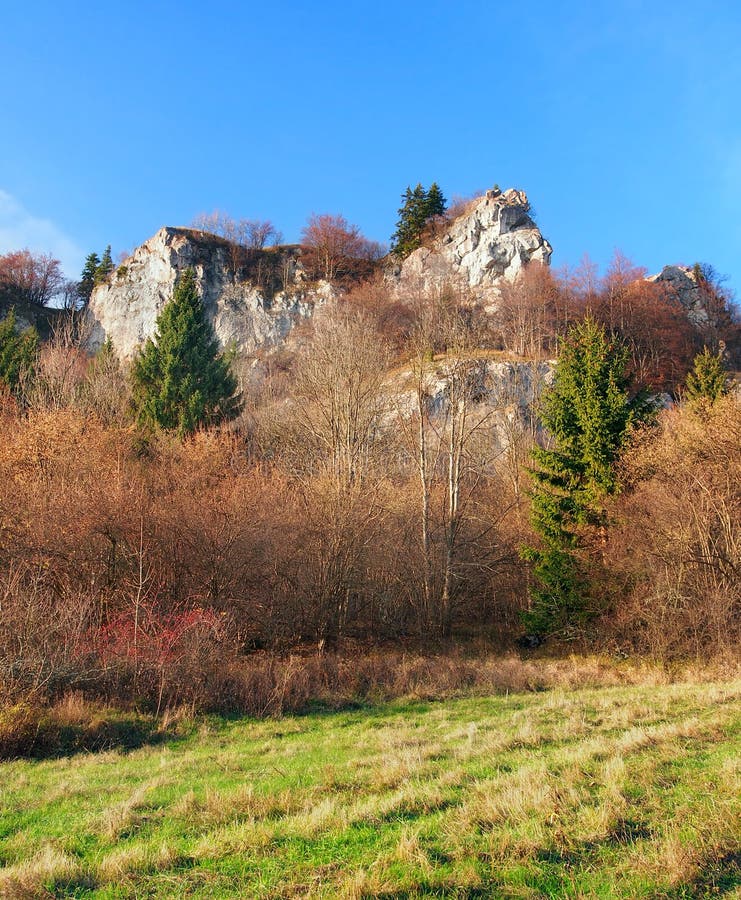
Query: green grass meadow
(612, 792)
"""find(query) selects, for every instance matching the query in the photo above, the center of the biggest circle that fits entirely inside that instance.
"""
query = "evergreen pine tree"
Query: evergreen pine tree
(180, 382)
(88, 277)
(588, 412)
(708, 379)
(17, 353)
(417, 208)
(436, 203)
(105, 267)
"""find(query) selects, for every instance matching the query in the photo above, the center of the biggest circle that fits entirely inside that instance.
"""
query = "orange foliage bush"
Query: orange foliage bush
(676, 550)
(149, 570)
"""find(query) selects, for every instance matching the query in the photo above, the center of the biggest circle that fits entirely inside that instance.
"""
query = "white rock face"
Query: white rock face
(503, 395)
(246, 314)
(491, 241)
(257, 310)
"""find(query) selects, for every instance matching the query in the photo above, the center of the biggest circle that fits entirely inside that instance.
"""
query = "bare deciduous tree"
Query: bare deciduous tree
(334, 248)
(245, 236)
(527, 312)
(62, 363)
(253, 234)
(340, 403)
(339, 386)
(27, 277)
(450, 461)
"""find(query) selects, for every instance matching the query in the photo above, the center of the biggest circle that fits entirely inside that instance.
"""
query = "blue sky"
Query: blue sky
(620, 119)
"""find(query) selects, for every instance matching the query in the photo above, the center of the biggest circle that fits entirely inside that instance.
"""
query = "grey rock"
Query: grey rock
(252, 310)
(683, 284)
(503, 394)
(492, 240)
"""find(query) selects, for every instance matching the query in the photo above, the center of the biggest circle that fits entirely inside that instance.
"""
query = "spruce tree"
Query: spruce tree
(708, 379)
(18, 351)
(180, 382)
(588, 412)
(105, 267)
(417, 208)
(88, 277)
(436, 202)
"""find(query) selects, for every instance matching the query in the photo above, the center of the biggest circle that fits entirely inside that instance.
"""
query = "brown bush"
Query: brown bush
(393, 319)
(677, 549)
(164, 572)
(147, 574)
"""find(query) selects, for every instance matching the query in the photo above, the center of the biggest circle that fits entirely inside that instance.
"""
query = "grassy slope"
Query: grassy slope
(629, 791)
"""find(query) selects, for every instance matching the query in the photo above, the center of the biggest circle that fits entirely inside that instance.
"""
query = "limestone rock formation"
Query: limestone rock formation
(254, 298)
(491, 240)
(683, 283)
(503, 394)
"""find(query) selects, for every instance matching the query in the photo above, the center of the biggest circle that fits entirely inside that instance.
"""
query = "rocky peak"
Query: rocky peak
(256, 297)
(492, 239)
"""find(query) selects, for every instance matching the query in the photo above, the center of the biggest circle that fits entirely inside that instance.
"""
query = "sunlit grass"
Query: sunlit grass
(622, 791)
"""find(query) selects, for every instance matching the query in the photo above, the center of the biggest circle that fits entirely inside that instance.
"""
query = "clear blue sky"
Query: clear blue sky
(622, 120)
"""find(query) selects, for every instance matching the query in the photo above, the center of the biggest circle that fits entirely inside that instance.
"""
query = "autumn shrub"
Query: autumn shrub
(44, 634)
(675, 553)
(148, 576)
(461, 205)
(394, 319)
(532, 311)
(269, 683)
(164, 659)
(200, 571)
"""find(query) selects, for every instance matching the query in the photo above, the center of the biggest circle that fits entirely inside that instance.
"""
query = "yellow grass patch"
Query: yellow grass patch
(28, 879)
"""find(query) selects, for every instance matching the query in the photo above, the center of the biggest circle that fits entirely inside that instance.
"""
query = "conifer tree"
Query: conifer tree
(436, 202)
(105, 267)
(418, 207)
(588, 412)
(88, 277)
(17, 353)
(180, 382)
(707, 381)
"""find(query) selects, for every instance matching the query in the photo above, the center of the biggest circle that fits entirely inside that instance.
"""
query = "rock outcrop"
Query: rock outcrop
(682, 280)
(503, 394)
(254, 298)
(491, 240)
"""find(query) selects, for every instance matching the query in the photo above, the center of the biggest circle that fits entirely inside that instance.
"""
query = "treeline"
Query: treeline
(156, 573)
(157, 529)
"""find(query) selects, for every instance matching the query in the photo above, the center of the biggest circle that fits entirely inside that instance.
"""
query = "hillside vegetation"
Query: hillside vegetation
(427, 587)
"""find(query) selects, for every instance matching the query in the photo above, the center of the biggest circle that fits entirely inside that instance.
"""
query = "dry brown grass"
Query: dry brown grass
(125, 817)
(76, 724)
(274, 684)
(25, 880)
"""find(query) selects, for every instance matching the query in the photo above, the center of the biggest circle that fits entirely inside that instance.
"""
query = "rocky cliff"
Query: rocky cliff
(491, 240)
(682, 280)
(503, 394)
(255, 298)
